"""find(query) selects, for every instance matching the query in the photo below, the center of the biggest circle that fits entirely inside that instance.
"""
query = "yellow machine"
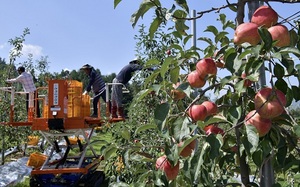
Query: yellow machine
(65, 115)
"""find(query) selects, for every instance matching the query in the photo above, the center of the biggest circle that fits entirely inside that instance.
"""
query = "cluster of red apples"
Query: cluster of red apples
(265, 17)
(269, 103)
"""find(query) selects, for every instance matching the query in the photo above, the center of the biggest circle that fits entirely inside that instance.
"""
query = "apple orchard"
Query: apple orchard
(186, 138)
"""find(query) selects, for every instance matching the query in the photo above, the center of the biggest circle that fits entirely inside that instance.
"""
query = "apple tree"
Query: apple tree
(247, 123)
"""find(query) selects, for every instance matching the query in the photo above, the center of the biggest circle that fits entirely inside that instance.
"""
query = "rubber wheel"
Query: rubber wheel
(95, 180)
(33, 182)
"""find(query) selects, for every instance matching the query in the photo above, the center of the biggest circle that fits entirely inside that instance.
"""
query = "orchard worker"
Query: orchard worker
(123, 77)
(26, 80)
(97, 84)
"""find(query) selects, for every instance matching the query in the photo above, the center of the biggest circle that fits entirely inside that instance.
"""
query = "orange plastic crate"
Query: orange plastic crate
(36, 160)
(33, 140)
(73, 140)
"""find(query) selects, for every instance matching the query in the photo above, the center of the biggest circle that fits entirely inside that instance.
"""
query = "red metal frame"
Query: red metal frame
(63, 102)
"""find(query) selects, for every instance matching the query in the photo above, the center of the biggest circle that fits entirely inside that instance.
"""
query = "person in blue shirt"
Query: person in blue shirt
(123, 77)
(97, 84)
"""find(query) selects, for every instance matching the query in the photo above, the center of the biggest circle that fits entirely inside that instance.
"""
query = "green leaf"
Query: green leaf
(201, 160)
(125, 134)
(220, 35)
(143, 93)
(233, 8)
(177, 34)
(257, 157)
(174, 74)
(186, 39)
(296, 91)
(239, 86)
(139, 158)
(281, 155)
(289, 97)
(297, 130)
(179, 128)
(109, 151)
(244, 54)
(293, 37)
(160, 114)
(183, 4)
(252, 137)
(278, 70)
(144, 7)
(297, 177)
(212, 29)
(229, 58)
(152, 77)
(206, 39)
(234, 114)
(222, 18)
(214, 119)
(176, 46)
(165, 66)
(288, 63)
(298, 71)
(116, 2)
(266, 147)
(186, 142)
(293, 50)
(152, 62)
(180, 23)
(266, 38)
(154, 26)
(276, 55)
(144, 128)
(215, 142)
(281, 85)
(254, 77)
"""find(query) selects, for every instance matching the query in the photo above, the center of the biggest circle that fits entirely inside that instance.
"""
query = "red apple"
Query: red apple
(247, 82)
(168, 52)
(265, 16)
(246, 32)
(234, 149)
(187, 151)
(205, 67)
(170, 171)
(262, 125)
(281, 34)
(195, 80)
(198, 112)
(268, 102)
(213, 129)
(211, 107)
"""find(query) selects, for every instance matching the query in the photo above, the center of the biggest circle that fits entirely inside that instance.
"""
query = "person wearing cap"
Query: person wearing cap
(123, 77)
(26, 80)
(97, 84)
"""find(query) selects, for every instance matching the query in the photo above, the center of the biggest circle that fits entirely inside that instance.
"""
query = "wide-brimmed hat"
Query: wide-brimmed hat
(86, 66)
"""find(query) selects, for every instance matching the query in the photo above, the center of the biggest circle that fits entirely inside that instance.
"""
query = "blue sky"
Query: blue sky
(73, 33)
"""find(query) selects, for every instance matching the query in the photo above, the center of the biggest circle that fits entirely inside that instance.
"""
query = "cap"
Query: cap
(21, 68)
(86, 66)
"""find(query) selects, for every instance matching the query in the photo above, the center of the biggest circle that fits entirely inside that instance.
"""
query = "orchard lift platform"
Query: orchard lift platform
(64, 116)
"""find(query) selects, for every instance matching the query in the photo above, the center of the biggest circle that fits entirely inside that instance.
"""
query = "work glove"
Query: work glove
(8, 82)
